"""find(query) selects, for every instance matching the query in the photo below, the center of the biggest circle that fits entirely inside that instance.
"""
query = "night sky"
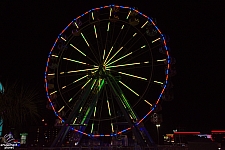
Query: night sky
(29, 29)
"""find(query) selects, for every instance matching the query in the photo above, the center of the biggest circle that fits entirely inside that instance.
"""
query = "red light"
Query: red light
(218, 131)
(187, 133)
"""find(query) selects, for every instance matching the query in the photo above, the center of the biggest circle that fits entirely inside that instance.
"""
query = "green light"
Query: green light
(70, 99)
(92, 127)
(85, 39)
(128, 88)
(132, 75)
(77, 49)
(128, 106)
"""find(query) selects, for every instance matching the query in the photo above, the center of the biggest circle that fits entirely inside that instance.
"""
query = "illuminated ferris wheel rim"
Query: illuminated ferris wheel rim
(167, 67)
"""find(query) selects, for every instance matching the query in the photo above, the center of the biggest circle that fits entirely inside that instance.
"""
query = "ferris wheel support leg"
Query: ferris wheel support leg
(125, 112)
(92, 102)
(65, 128)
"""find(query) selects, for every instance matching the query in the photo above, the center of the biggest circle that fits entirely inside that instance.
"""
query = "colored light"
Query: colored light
(95, 32)
(114, 55)
(119, 59)
(134, 34)
(168, 66)
(156, 40)
(127, 65)
(129, 88)
(63, 38)
(108, 54)
(128, 14)
(130, 75)
(108, 26)
(77, 49)
(92, 15)
(84, 39)
(148, 102)
(158, 82)
(61, 109)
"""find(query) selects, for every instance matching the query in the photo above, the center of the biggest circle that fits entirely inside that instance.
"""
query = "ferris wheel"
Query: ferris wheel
(106, 72)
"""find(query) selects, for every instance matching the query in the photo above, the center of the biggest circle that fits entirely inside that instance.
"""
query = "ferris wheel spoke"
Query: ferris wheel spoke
(66, 90)
(130, 75)
(114, 44)
(74, 81)
(129, 88)
(137, 55)
(119, 59)
(124, 46)
(89, 46)
(129, 67)
(126, 65)
(75, 71)
(121, 47)
(72, 60)
(131, 45)
(125, 55)
(72, 98)
(63, 87)
(108, 27)
(82, 53)
(96, 36)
